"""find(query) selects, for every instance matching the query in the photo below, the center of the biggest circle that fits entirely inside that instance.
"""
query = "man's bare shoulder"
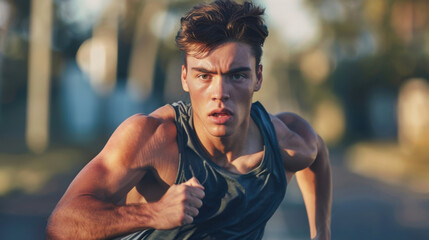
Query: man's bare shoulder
(162, 119)
(289, 118)
(143, 135)
(296, 138)
(165, 113)
(284, 120)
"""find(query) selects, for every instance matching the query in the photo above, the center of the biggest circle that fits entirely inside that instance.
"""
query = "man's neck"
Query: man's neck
(223, 150)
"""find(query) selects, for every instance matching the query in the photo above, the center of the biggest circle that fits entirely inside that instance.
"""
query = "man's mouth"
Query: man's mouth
(223, 114)
(220, 113)
(220, 116)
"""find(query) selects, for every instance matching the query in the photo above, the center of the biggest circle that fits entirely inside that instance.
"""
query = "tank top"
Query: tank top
(235, 206)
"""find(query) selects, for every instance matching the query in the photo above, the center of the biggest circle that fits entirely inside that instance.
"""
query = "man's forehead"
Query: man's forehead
(227, 55)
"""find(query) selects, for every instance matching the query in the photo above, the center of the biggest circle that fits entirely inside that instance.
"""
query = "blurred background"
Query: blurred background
(72, 70)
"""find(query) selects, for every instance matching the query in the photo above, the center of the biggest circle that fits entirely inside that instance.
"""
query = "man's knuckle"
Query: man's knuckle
(181, 196)
(182, 208)
(182, 216)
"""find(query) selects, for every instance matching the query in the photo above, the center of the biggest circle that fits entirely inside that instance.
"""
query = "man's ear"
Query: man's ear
(183, 78)
(258, 78)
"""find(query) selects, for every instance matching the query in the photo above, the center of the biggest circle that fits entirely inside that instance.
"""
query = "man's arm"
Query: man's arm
(89, 209)
(315, 183)
(312, 170)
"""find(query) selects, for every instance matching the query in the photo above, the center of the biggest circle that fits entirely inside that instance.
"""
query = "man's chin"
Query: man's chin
(221, 132)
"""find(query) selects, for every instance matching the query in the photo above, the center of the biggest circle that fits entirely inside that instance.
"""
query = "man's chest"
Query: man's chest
(156, 181)
(243, 164)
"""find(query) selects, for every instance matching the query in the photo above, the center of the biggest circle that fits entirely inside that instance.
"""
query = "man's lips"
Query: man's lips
(220, 116)
(220, 113)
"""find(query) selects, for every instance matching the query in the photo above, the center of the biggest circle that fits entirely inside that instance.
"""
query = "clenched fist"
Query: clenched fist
(179, 205)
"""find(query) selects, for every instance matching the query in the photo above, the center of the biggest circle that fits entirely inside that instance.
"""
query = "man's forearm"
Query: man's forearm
(315, 183)
(89, 218)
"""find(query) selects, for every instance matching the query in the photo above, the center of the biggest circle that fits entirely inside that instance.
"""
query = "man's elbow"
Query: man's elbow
(311, 143)
(321, 161)
(52, 231)
(313, 147)
(311, 150)
(55, 229)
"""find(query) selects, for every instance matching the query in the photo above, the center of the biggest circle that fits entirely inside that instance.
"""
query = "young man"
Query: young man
(213, 169)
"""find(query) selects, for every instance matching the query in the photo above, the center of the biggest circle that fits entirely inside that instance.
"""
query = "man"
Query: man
(213, 169)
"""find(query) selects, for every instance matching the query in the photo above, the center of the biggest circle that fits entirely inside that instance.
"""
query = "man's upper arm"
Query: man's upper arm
(297, 141)
(122, 162)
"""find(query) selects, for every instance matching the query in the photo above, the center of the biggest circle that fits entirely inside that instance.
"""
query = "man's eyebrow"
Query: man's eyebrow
(239, 69)
(203, 70)
(234, 70)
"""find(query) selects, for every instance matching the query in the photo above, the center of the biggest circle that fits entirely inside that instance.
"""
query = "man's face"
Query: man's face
(221, 86)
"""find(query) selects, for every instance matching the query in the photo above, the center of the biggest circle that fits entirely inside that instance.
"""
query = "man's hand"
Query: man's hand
(179, 205)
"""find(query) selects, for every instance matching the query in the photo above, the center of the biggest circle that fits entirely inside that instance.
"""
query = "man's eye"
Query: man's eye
(238, 76)
(204, 76)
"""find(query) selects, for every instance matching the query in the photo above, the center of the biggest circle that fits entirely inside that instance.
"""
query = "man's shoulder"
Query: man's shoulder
(289, 124)
(164, 114)
(297, 140)
(289, 118)
(144, 135)
(160, 122)
(282, 121)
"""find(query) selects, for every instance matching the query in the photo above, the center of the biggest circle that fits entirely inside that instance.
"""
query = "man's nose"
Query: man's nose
(220, 89)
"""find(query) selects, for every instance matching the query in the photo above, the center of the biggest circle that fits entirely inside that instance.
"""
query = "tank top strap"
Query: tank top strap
(263, 120)
(183, 113)
(183, 121)
(187, 137)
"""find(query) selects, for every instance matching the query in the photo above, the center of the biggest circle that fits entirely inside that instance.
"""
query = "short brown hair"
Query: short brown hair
(207, 26)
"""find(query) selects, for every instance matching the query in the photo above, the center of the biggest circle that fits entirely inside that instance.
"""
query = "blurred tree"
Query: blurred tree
(375, 47)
